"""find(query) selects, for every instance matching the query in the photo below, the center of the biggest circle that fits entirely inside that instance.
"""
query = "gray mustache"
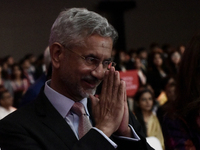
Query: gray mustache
(91, 79)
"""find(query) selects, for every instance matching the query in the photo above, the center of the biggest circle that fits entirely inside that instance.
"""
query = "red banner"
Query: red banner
(132, 81)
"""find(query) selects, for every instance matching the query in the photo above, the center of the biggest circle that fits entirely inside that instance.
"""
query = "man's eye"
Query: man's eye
(107, 62)
(91, 60)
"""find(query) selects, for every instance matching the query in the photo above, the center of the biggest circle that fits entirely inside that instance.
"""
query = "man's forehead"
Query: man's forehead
(96, 40)
(105, 46)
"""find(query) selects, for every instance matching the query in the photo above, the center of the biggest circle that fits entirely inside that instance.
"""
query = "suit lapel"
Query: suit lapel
(54, 121)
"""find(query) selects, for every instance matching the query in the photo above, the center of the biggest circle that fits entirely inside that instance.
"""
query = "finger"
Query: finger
(104, 86)
(121, 91)
(110, 83)
(116, 84)
(109, 66)
(94, 100)
(125, 96)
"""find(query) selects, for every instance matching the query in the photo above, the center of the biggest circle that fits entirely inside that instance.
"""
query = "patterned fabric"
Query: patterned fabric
(154, 129)
(84, 122)
(178, 135)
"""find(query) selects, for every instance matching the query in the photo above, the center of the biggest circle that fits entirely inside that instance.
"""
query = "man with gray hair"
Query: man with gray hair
(66, 115)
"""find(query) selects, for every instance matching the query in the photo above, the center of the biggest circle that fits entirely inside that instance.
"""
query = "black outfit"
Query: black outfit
(157, 82)
(39, 126)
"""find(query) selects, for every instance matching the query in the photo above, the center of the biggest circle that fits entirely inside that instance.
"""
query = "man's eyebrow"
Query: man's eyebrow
(94, 56)
(108, 59)
(91, 55)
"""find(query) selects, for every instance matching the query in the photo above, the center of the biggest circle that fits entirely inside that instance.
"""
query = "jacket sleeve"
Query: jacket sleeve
(131, 145)
(14, 137)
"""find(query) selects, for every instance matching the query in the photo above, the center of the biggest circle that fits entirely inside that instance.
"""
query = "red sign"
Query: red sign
(132, 81)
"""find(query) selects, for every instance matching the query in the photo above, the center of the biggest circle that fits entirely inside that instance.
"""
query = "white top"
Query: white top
(4, 112)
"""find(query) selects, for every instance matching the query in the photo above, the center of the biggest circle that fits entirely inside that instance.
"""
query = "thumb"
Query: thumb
(94, 100)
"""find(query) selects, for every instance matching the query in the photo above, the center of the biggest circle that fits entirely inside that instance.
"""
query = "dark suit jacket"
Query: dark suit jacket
(38, 126)
(33, 90)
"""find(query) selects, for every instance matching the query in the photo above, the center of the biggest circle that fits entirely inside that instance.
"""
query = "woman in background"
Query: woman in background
(174, 60)
(19, 84)
(6, 102)
(157, 73)
(181, 124)
(144, 105)
(4, 80)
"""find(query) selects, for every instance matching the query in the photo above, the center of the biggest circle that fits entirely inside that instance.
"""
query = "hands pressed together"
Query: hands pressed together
(110, 110)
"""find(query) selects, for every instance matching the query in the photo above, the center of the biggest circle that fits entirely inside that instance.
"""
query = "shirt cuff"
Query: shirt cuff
(134, 138)
(107, 138)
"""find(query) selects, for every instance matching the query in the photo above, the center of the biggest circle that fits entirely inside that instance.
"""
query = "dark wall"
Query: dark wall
(162, 21)
(25, 24)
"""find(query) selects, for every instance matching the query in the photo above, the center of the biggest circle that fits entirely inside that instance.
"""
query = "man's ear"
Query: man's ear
(56, 51)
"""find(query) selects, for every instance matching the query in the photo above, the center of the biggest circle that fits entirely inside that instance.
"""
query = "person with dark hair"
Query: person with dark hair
(133, 54)
(6, 102)
(170, 93)
(142, 53)
(39, 66)
(181, 124)
(8, 62)
(166, 50)
(4, 81)
(181, 49)
(157, 72)
(123, 61)
(66, 115)
(144, 103)
(26, 65)
(142, 75)
(19, 84)
(32, 59)
(174, 60)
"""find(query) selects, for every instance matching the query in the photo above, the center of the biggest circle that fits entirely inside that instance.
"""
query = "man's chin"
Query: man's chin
(87, 93)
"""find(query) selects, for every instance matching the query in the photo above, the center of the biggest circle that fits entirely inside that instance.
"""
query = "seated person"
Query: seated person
(143, 111)
(6, 102)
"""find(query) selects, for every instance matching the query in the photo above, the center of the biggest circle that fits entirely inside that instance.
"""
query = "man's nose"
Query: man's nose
(99, 72)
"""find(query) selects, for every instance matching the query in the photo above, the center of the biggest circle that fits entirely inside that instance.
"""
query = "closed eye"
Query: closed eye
(107, 62)
(91, 60)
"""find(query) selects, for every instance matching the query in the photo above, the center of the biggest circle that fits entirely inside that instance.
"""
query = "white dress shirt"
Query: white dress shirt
(63, 105)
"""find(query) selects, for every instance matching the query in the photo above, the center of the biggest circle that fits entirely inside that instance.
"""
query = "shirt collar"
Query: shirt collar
(61, 103)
